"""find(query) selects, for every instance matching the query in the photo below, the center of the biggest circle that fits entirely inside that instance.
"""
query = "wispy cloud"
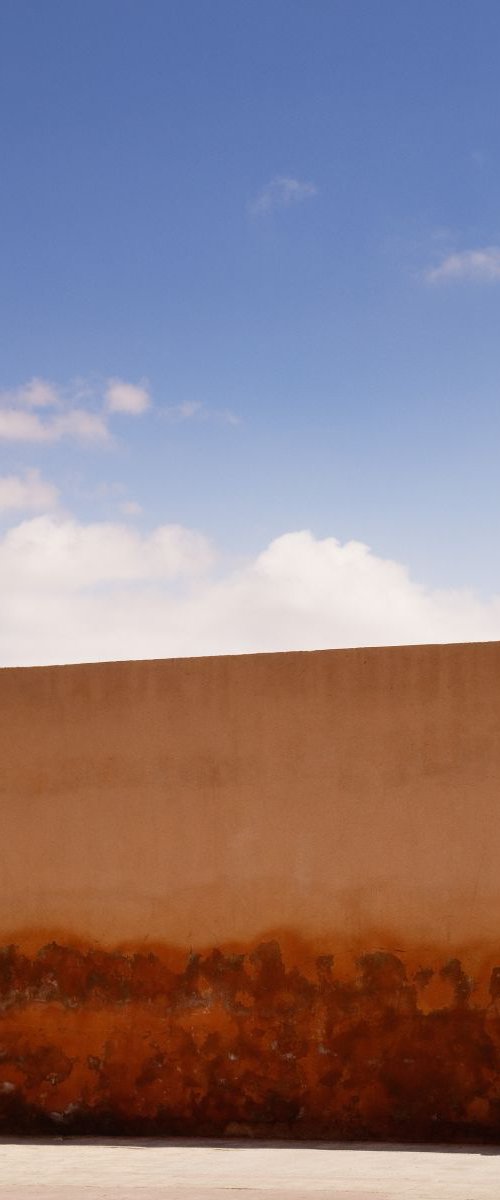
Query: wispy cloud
(40, 411)
(183, 412)
(130, 508)
(191, 410)
(19, 426)
(37, 393)
(467, 266)
(28, 491)
(131, 398)
(282, 192)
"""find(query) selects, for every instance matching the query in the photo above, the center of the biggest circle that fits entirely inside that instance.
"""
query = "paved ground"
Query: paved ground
(139, 1170)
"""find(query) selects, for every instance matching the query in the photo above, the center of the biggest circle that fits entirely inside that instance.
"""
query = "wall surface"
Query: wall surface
(253, 895)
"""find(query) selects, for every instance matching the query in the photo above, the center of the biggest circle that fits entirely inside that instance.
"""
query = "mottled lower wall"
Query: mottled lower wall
(242, 1043)
(253, 895)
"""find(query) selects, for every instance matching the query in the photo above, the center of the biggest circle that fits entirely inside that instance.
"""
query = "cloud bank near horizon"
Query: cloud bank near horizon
(76, 592)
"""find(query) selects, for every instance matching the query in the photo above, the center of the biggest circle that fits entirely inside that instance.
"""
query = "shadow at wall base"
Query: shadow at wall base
(21, 1121)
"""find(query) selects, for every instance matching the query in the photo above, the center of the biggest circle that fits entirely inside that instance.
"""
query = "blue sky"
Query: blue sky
(280, 222)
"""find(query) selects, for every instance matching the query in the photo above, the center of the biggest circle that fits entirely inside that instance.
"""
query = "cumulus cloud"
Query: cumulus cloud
(131, 398)
(282, 192)
(76, 592)
(63, 554)
(27, 491)
(467, 266)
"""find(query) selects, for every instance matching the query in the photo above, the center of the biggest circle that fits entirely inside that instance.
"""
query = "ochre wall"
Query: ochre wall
(253, 895)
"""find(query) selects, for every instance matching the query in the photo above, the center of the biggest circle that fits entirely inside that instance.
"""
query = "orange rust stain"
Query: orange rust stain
(249, 1041)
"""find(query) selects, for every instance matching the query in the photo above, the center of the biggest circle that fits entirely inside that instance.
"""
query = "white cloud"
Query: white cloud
(129, 398)
(40, 412)
(103, 591)
(19, 426)
(468, 266)
(27, 491)
(281, 192)
(62, 556)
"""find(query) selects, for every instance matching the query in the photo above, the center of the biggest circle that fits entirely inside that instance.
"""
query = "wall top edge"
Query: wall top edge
(415, 648)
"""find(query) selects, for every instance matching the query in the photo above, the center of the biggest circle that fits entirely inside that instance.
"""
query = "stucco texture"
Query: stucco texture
(253, 895)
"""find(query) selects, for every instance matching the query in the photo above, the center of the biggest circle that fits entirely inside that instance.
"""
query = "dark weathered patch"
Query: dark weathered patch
(240, 1043)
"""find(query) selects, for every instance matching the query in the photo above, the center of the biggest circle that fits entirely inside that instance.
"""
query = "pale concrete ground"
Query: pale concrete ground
(182, 1170)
